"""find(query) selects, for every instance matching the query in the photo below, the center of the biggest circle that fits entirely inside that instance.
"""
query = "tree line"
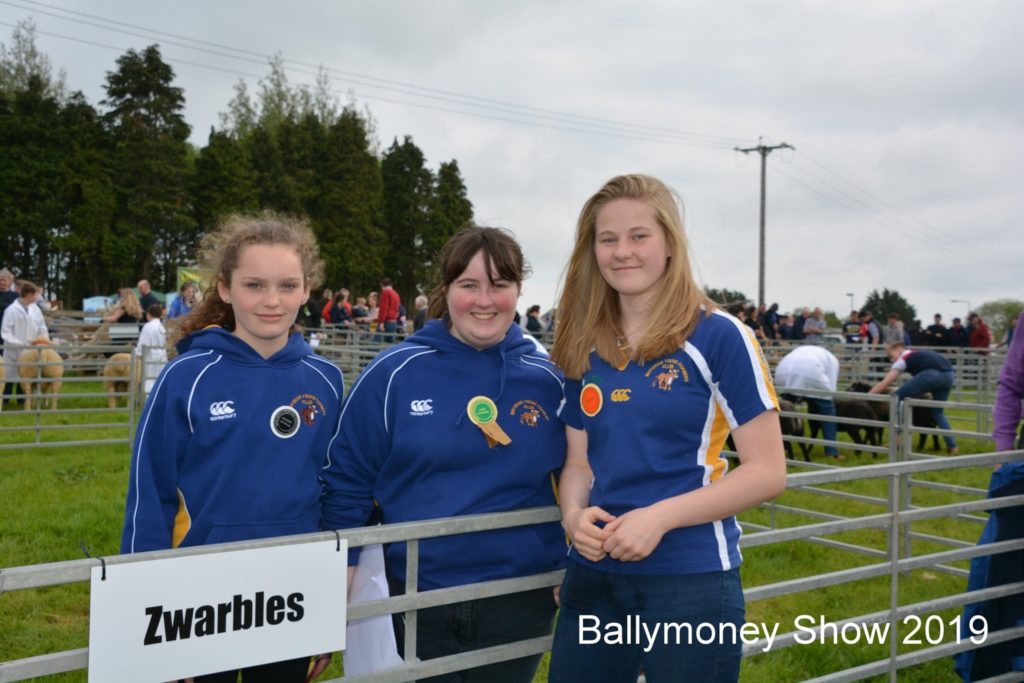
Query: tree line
(94, 197)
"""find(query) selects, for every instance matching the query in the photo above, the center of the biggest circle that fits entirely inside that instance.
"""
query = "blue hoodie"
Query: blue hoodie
(230, 444)
(406, 441)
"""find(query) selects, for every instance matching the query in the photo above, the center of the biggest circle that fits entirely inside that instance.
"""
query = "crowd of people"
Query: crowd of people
(861, 327)
(384, 312)
(379, 312)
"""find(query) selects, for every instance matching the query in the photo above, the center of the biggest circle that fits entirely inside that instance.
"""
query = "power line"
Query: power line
(888, 224)
(388, 84)
(927, 226)
(510, 113)
(524, 122)
(939, 238)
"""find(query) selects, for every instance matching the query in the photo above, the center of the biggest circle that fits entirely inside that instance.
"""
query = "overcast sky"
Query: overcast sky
(907, 119)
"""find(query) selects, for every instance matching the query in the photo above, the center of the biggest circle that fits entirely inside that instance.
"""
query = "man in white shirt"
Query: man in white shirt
(812, 367)
(22, 323)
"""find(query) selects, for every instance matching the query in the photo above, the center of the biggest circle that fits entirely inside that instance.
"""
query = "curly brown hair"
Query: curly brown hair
(221, 250)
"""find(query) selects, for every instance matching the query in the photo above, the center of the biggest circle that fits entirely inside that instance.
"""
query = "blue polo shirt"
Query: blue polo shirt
(657, 430)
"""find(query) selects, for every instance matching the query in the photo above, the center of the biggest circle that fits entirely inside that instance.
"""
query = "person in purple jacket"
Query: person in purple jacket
(1004, 524)
(1010, 394)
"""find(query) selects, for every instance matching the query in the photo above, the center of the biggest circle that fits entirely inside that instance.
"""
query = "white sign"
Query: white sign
(186, 616)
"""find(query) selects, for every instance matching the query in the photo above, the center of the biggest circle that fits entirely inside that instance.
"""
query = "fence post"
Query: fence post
(906, 418)
(985, 368)
(412, 570)
(34, 395)
(135, 374)
(895, 552)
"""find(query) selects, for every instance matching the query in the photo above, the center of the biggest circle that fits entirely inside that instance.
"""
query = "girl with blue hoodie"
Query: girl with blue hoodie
(460, 419)
(656, 378)
(236, 429)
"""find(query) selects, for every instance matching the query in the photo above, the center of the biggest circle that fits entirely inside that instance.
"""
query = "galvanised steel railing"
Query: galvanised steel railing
(894, 562)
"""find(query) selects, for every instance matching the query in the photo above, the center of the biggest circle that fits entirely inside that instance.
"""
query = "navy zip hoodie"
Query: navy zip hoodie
(230, 444)
(407, 442)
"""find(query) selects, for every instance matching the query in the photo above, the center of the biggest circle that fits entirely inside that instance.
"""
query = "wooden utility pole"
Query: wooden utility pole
(764, 151)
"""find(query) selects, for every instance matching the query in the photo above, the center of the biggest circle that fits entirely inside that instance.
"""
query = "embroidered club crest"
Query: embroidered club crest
(529, 412)
(309, 408)
(664, 374)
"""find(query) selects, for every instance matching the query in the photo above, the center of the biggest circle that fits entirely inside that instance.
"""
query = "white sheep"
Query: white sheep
(117, 374)
(37, 364)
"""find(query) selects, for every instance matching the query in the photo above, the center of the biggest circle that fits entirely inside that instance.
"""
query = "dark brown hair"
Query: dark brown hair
(503, 254)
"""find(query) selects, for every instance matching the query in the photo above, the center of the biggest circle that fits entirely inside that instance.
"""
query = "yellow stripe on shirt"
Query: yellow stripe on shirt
(182, 522)
(716, 442)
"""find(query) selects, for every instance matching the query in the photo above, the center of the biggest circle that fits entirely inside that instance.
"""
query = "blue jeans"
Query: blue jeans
(389, 329)
(938, 383)
(593, 600)
(824, 406)
(820, 406)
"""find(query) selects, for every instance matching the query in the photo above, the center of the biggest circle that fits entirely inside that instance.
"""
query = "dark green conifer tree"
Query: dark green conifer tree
(151, 168)
(408, 199)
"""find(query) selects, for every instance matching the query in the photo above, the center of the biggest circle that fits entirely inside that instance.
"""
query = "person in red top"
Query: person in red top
(387, 316)
(324, 304)
(981, 336)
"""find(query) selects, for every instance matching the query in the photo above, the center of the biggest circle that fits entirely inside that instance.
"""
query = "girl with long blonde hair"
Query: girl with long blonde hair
(127, 309)
(656, 378)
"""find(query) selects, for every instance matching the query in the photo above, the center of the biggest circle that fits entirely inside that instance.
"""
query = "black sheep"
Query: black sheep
(921, 416)
(791, 426)
(849, 408)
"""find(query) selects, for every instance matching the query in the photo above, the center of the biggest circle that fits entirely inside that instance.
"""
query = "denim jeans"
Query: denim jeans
(824, 406)
(389, 329)
(820, 406)
(466, 626)
(701, 602)
(938, 383)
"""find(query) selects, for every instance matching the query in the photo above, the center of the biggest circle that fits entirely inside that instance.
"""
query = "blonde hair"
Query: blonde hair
(222, 249)
(588, 314)
(130, 303)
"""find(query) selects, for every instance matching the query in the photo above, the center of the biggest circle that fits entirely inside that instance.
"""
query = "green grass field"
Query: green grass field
(53, 499)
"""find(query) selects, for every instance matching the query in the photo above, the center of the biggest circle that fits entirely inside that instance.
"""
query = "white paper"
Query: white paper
(370, 642)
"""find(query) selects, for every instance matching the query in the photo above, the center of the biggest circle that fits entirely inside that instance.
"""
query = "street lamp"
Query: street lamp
(963, 301)
(850, 294)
